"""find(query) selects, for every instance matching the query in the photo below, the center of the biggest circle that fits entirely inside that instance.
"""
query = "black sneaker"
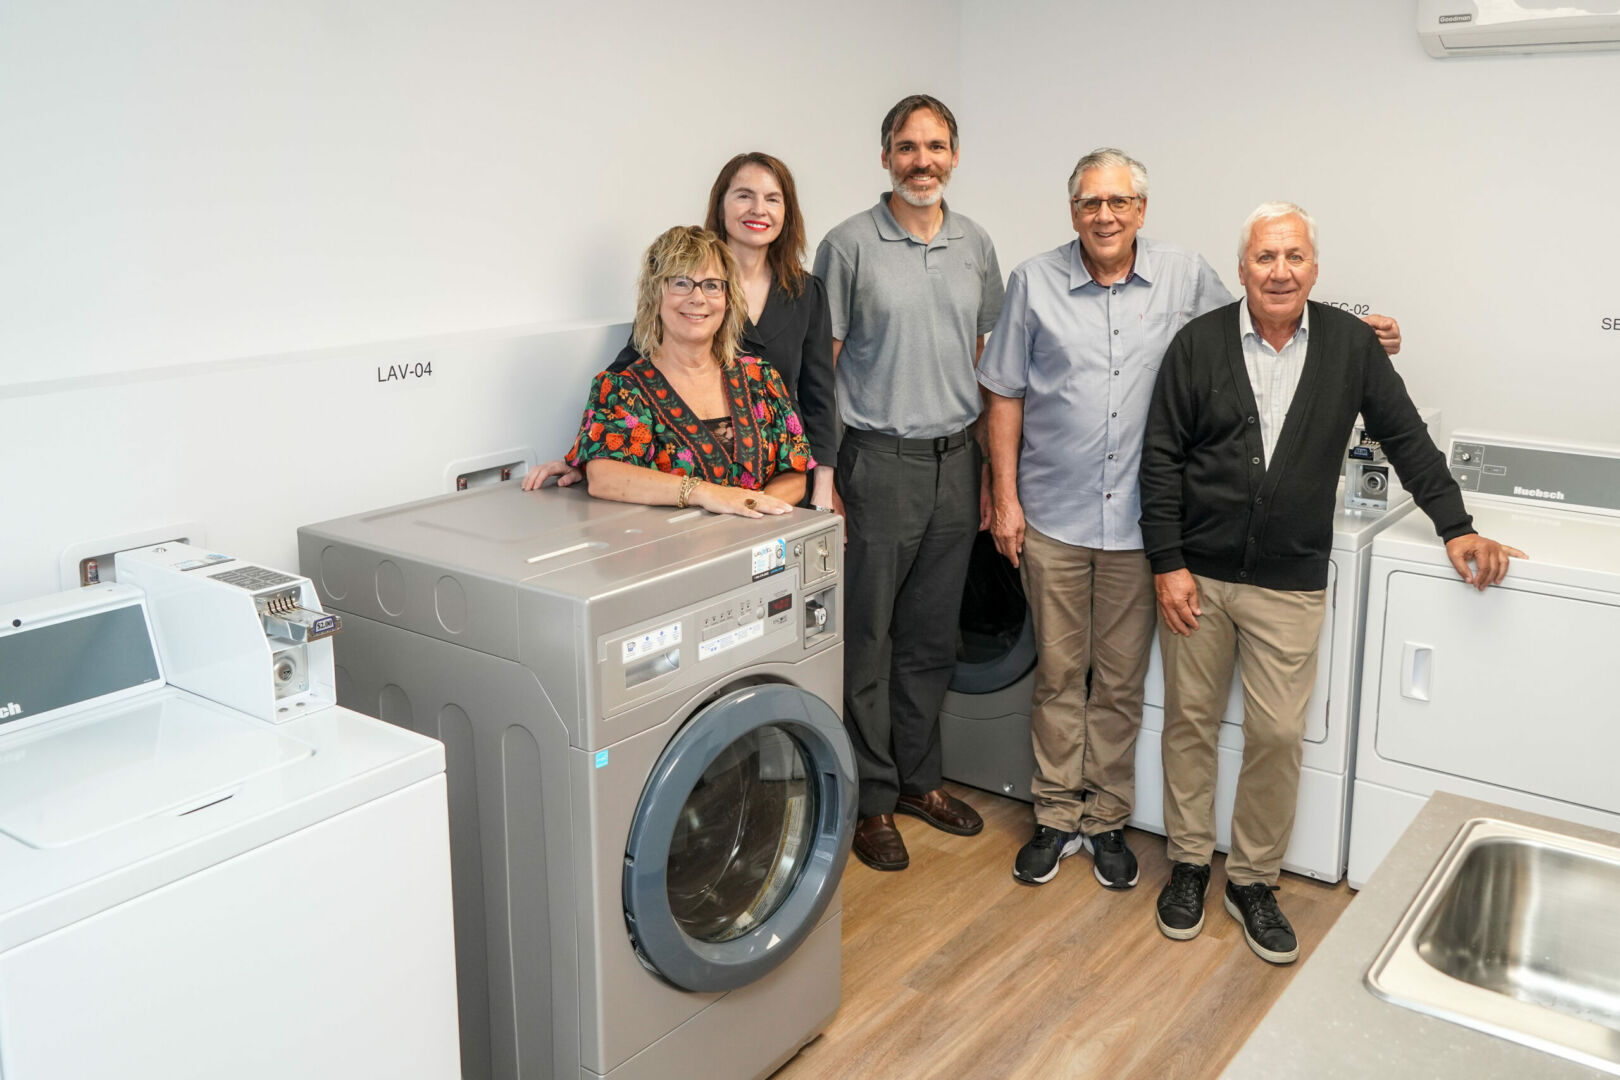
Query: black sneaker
(1181, 901)
(1265, 927)
(1037, 861)
(1112, 862)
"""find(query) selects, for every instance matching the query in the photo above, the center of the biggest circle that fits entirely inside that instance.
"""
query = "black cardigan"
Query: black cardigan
(794, 336)
(1210, 505)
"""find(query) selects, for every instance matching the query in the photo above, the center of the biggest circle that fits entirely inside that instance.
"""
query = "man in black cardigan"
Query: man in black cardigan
(1245, 442)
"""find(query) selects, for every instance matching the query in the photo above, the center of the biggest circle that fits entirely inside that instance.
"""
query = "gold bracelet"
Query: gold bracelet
(688, 485)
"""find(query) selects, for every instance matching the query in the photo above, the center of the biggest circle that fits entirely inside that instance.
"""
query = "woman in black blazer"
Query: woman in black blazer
(754, 208)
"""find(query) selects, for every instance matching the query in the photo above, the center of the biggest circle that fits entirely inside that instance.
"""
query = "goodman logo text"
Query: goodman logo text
(10, 709)
(1534, 493)
(1445, 19)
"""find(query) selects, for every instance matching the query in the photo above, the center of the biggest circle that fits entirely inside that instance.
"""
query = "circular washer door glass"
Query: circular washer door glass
(742, 836)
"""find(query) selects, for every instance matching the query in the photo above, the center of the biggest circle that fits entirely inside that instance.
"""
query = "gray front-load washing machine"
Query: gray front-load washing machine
(984, 720)
(651, 791)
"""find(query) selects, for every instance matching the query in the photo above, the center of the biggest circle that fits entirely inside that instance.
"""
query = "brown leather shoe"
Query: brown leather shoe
(942, 811)
(879, 845)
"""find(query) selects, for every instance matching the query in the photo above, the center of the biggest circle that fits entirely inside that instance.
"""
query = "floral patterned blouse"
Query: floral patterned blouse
(634, 415)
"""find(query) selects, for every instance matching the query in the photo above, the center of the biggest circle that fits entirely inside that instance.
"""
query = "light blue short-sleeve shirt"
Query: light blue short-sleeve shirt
(909, 313)
(1084, 358)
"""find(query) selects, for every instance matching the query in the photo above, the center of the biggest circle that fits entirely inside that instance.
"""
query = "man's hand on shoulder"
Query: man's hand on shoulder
(1490, 559)
(1178, 601)
(1388, 331)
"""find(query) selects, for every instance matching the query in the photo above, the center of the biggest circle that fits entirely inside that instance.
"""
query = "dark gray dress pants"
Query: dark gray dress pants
(912, 510)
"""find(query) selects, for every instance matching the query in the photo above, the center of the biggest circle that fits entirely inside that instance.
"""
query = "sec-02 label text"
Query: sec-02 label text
(399, 372)
(1352, 308)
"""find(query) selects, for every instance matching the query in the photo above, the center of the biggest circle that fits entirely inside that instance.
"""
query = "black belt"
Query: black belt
(894, 444)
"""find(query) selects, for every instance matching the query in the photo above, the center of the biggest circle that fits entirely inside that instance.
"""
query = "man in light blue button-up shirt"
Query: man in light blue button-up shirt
(1070, 370)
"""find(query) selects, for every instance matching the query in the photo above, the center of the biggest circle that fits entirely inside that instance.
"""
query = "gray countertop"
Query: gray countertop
(1327, 1023)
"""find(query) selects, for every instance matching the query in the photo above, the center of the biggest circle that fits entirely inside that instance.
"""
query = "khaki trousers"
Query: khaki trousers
(1093, 613)
(1274, 635)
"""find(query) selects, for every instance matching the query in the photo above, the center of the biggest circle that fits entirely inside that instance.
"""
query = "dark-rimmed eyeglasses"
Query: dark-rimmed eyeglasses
(713, 287)
(1116, 203)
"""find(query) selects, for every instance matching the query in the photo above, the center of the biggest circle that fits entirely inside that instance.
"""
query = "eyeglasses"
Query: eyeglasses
(1117, 203)
(713, 287)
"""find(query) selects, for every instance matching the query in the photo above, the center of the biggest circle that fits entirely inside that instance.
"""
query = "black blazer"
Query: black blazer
(794, 336)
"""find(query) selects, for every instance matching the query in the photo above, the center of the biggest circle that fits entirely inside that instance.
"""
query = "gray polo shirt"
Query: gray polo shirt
(909, 314)
(1084, 358)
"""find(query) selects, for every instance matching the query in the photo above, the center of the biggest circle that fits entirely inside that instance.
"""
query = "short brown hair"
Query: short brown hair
(910, 104)
(786, 253)
(682, 252)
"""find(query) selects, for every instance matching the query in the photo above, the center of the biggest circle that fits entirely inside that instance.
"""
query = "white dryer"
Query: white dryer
(188, 891)
(652, 793)
(1505, 695)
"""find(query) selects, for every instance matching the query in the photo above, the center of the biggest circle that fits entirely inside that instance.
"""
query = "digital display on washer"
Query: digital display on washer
(779, 605)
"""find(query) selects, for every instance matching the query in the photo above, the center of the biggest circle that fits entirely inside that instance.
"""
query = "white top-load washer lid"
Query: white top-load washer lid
(113, 784)
(1564, 547)
(130, 797)
(66, 782)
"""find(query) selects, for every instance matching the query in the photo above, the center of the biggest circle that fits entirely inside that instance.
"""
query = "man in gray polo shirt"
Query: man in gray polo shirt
(913, 288)
(1070, 370)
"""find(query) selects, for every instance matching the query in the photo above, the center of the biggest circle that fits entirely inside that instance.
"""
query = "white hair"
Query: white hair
(1269, 212)
(1106, 157)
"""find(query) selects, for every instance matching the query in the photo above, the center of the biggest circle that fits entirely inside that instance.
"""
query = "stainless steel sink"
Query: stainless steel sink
(1516, 933)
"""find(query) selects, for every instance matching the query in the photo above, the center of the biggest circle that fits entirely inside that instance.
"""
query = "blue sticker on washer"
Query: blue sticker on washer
(601, 758)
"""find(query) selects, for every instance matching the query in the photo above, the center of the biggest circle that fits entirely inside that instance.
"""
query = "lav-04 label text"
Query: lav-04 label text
(401, 372)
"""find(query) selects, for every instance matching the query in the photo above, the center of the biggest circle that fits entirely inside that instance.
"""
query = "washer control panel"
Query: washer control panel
(786, 607)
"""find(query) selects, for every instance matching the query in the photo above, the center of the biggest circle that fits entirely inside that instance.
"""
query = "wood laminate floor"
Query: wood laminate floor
(952, 969)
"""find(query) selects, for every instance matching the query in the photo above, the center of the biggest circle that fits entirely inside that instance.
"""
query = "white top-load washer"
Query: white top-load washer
(1321, 825)
(188, 889)
(1505, 695)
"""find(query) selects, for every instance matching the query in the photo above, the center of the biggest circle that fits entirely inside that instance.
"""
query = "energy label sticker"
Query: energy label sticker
(770, 558)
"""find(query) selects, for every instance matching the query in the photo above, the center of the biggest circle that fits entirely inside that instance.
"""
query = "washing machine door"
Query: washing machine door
(740, 837)
(996, 643)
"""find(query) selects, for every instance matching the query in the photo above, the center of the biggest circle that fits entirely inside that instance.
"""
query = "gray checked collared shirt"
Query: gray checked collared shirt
(909, 313)
(1084, 358)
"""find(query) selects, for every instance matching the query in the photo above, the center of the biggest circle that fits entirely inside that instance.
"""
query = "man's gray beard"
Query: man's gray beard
(920, 201)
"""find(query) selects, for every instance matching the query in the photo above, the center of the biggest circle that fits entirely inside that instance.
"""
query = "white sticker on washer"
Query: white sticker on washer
(770, 558)
(730, 640)
(652, 641)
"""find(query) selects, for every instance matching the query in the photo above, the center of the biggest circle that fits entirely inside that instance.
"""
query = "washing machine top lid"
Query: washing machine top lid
(557, 539)
(67, 782)
(127, 796)
(1566, 547)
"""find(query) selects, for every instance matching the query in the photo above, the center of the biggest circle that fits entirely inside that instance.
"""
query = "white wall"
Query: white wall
(218, 219)
(1472, 198)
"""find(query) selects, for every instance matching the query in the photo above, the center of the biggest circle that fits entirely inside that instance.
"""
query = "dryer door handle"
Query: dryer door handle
(1417, 669)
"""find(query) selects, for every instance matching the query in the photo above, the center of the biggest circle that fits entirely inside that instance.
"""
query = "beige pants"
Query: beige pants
(1093, 611)
(1274, 635)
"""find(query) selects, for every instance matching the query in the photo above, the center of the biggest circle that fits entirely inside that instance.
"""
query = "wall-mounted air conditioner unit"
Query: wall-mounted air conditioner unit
(1475, 27)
